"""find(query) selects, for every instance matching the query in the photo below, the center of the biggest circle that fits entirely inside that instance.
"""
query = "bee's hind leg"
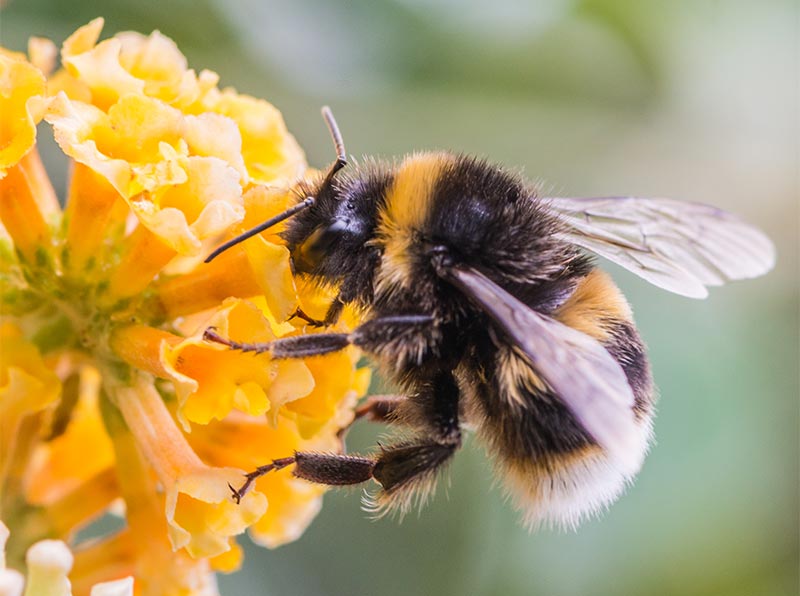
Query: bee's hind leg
(322, 468)
(407, 470)
(404, 470)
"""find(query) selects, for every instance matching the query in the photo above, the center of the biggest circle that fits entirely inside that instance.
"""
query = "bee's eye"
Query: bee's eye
(322, 238)
(312, 251)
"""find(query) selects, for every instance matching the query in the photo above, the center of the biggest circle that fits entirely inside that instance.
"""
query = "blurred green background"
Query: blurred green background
(687, 99)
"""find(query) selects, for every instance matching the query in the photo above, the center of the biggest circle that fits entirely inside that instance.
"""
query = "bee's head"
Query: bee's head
(329, 237)
(330, 225)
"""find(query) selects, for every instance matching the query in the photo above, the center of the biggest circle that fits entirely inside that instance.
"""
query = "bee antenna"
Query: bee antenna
(341, 161)
(338, 143)
(261, 227)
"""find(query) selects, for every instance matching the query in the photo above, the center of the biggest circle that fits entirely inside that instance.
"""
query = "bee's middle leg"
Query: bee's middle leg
(375, 408)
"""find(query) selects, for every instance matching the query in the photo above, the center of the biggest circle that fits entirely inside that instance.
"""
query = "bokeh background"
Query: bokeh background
(687, 99)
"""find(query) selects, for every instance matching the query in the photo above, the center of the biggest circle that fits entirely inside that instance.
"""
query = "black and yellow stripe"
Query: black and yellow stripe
(406, 211)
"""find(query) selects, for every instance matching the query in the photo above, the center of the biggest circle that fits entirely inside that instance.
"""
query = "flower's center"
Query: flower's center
(69, 311)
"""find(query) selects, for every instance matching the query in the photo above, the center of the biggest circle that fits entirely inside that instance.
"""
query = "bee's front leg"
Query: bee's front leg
(375, 331)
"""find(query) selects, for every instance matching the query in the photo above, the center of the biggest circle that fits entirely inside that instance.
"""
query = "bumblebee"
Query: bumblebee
(483, 305)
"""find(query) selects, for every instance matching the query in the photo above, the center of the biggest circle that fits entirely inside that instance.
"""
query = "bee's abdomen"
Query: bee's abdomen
(550, 465)
(627, 348)
(598, 308)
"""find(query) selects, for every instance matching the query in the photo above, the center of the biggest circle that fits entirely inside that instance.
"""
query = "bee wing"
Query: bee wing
(577, 367)
(678, 246)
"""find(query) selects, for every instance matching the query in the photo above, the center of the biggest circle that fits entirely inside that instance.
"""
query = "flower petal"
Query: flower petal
(335, 378)
(26, 384)
(207, 203)
(272, 155)
(43, 54)
(211, 380)
(154, 59)
(77, 127)
(200, 514)
(76, 455)
(102, 72)
(120, 587)
(20, 84)
(214, 135)
(83, 39)
(247, 442)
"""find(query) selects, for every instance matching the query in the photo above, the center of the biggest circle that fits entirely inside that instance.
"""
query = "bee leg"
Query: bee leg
(333, 469)
(322, 468)
(409, 469)
(316, 344)
(299, 346)
(331, 315)
(375, 408)
(334, 311)
(403, 469)
(379, 408)
(300, 314)
(403, 466)
(250, 477)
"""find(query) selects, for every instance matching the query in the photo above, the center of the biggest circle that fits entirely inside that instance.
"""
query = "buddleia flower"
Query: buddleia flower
(111, 401)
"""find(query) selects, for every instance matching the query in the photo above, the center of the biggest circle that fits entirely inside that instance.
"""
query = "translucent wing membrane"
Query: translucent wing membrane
(577, 367)
(678, 246)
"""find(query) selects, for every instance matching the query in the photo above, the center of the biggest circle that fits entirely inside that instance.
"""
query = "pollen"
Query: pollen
(110, 398)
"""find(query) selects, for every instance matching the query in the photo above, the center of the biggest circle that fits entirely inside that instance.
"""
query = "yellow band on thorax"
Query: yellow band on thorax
(407, 206)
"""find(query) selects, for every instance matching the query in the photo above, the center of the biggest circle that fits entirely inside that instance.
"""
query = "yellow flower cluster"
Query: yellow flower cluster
(110, 399)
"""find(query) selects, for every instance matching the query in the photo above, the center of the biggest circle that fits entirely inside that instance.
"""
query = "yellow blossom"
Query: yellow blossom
(199, 510)
(210, 380)
(74, 485)
(259, 267)
(269, 151)
(129, 62)
(27, 386)
(266, 255)
(110, 398)
(161, 162)
(21, 85)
